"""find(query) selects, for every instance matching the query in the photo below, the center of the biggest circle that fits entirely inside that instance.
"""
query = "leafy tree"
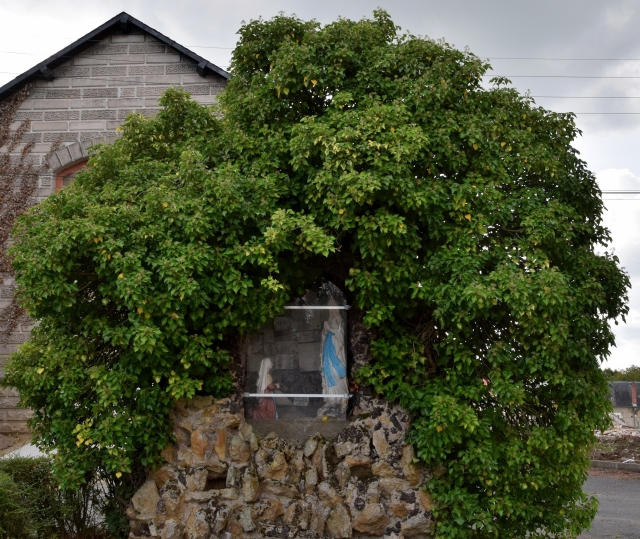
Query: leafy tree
(630, 374)
(459, 219)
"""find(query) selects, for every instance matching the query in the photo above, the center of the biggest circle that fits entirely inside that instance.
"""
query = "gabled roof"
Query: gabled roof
(123, 22)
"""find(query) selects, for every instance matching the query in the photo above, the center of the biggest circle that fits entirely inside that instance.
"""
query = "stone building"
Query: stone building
(77, 98)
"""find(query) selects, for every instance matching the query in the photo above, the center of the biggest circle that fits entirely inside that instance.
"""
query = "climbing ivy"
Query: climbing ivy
(457, 217)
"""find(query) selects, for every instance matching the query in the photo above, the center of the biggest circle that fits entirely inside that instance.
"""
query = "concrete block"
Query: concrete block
(100, 92)
(123, 113)
(64, 82)
(163, 79)
(128, 38)
(143, 91)
(27, 104)
(49, 126)
(28, 137)
(147, 48)
(163, 58)
(88, 103)
(113, 124)
(53, 115)
(146, 70)
(88, 82)
(29, 115)
(95, 125)
(110, 48)
(90, 61)
(198, 89)
(205, 99)
(15, 414)
(151, 102)
(62, 93)
(60, 136)
(70, 71)
(148, 113)
(36, 93)
(181, 68)
(126, 81)
(64, 156)
(111, 70)
(98, 137)
(13, 427)
(76, 152)
(99, 114)
(194, 79)
(127, 92)
(118, 59)
(125, 102)
(43, 104)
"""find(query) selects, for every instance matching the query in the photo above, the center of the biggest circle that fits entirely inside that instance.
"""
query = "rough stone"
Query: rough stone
(172, 530)
(221, 444)
(200, 443)
(197, 479)
(380, 443)
(173, 499)
(417, 526)
(382, 469)
(246, 521)
(409, 469)
(197, 526)
(298, 514)
(425, 500)
(239, 450)
(277, 468)
(145, 500)
(250, 485)
(328, 494)
(162, 475)
(311, 445)
(372, 520)
(266, 510)
(339, 522)
(280, 488)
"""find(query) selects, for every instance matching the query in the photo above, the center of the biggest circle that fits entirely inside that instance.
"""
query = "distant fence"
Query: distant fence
(624, 397)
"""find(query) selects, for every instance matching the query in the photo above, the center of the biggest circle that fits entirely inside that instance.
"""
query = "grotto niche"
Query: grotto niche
(296, 365)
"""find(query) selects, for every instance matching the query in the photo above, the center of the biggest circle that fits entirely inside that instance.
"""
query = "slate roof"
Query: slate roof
(123, 22)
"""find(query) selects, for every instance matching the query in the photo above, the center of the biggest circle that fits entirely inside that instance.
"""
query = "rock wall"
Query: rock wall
(222, 480)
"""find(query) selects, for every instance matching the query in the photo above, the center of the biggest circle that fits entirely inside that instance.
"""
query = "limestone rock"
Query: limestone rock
(170, 454)
(173, 499)
(245, 520)
(397, 506)
(342, 474)
(220, 446)
(425, 500)
(162, 475)
(357, 460)
(250, 485)
(172, 530)
(239, 450)
(201, 497)
(298, 514)
(373, 492)
(197, 526)
(311, 445)
(328, 494)
(201, 443)
(339, 522)
(254, 443)
(234, 476)
(372, 520)
(220, 517)
(380, 443)
(279, 488)
(409, 469)
(266, 510)
(197, 479)
(310, 479)
(145, 501)
(418, 526)
(277, 468)
(382, 469)
(388, 485)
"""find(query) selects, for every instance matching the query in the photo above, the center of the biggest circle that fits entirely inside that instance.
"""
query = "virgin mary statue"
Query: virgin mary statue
(266, 405)
(334, 358)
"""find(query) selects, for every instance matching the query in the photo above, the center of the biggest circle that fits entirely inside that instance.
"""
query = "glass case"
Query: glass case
(296, 365)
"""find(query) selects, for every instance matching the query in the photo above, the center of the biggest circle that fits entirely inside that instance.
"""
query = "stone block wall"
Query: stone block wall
(92, 94)
(222, 478)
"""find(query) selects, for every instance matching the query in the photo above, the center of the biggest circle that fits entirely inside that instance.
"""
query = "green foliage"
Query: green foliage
(33, 507)
(459, 220)
(630, 374)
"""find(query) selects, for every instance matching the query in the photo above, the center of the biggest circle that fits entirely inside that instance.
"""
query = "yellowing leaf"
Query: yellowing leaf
(147, 315)
(393, 129)
(121, 276)
(165, 204)
(439, 428)
(475, 146)
(314, 82)
(118, 475)
(468, 217)
(278, 88)
(40, 370)
(503, 144)
(325, 418)
(509, 148)
(140, 310)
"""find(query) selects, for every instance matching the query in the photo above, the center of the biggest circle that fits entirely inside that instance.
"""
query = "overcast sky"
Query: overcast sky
(559, 38)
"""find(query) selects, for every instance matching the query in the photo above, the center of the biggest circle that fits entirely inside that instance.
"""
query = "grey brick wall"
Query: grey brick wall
(90, 97)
